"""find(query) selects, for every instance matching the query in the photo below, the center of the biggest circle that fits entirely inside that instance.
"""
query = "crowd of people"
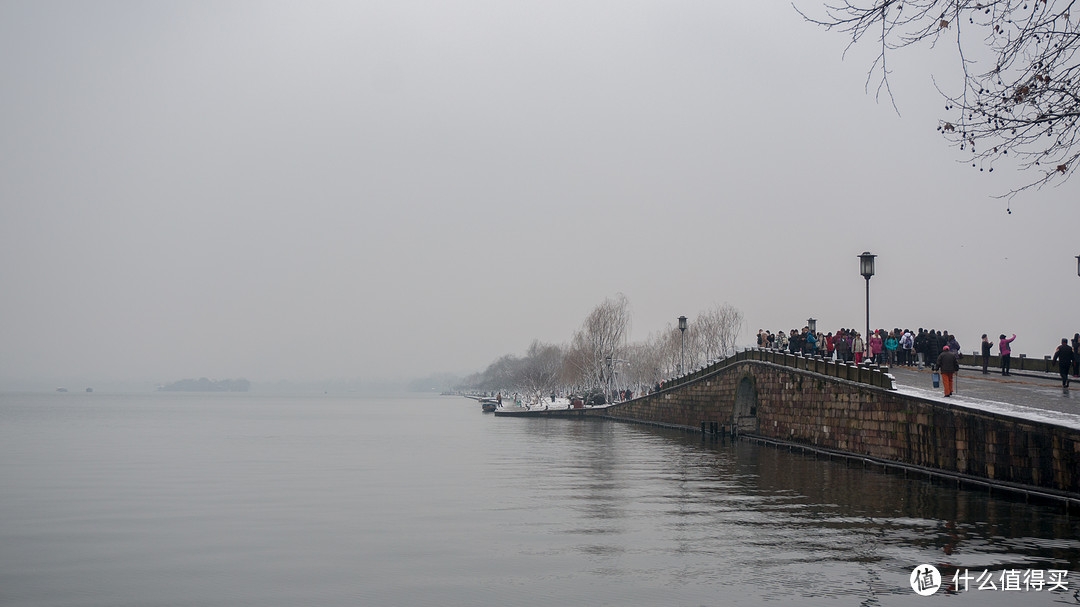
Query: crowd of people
(904, 347)
(896, 347)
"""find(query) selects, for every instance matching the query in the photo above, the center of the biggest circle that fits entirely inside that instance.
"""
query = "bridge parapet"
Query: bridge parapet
(872, 375)
(842, 409)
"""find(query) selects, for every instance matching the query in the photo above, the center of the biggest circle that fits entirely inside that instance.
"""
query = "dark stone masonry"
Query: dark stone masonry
(802, 402)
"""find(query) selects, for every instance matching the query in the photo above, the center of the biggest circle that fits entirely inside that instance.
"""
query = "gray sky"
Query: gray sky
(386, 189)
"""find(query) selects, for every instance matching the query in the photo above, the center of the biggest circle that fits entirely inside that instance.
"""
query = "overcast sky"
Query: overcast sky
(313, 190)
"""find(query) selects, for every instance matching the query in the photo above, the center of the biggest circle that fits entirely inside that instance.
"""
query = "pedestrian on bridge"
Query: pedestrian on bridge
(892, 342)
(986, 345)
(948, 365)
(1076, 353)
(1004, 350)
(933, 346)
(1064, 357)
(907, 348)
(921, 348)
(843, 346)
(875, 348)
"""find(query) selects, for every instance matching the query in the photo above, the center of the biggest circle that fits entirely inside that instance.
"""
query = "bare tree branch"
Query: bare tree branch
(1019, 98)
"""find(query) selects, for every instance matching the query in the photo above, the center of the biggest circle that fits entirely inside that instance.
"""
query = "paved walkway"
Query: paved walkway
(1027, 388)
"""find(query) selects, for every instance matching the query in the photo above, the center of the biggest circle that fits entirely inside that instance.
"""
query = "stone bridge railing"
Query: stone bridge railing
(857, 412)
(871, 375)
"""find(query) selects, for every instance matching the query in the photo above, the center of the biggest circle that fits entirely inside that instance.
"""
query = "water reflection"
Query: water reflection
(784, 522)
(336, 501)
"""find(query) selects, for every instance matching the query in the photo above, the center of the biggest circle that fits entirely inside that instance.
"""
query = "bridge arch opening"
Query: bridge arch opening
(744, 413)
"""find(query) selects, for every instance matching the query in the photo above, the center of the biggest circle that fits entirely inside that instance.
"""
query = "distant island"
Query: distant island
(207, 385)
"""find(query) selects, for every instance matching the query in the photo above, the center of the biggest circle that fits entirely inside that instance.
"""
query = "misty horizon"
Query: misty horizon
(385, 191)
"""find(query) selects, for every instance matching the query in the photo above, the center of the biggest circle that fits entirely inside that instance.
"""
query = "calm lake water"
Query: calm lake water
(166, 499)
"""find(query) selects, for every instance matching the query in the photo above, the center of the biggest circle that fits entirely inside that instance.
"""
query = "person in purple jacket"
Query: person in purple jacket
(1004, 351)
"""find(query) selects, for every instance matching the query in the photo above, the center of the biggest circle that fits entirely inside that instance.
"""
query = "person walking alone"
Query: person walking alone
(1064, 356)
(1004, 350)
(948, 365)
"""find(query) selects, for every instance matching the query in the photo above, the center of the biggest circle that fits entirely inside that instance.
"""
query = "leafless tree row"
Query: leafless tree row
(600, 357)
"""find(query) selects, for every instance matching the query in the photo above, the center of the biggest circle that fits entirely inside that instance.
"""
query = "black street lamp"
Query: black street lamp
(682, 350)
(866, 268)
(610, 376)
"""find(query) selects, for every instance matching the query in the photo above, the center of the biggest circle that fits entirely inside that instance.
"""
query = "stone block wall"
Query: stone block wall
(838, 414)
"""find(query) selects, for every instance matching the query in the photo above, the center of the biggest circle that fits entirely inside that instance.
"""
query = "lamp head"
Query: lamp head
(866, 264)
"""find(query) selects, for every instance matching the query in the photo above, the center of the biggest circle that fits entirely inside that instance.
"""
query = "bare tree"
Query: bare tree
(540, 372)
(707, 328)
(501, 374)
(671, 342)
(599, 355)
(712, 335)
(645, 364)
(601, 340)
(729, 323)
(575, 369)
(1020, 95)
(694, 346)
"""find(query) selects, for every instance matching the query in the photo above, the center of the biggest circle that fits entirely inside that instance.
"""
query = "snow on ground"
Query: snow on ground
(1057, 418)
(546, 405)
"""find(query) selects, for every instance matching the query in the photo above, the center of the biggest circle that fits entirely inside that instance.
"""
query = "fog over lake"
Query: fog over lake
(381, 190)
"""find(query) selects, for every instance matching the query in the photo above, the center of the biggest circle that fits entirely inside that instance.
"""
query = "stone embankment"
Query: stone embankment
(858, 413)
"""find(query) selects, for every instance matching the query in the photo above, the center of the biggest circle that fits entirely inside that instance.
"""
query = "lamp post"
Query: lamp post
(866, 268)
(610, 378)
(811, 323)
(682, 348)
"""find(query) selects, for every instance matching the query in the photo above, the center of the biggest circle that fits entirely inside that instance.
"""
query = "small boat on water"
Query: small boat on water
(487, 403)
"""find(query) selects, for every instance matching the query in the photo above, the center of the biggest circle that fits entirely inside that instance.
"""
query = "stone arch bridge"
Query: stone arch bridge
(857, 412)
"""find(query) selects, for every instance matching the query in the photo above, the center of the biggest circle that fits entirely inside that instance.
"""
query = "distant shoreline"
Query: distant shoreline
(207, 385)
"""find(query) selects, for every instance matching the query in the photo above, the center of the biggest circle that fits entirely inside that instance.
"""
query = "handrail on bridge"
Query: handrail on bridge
(864, 373)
